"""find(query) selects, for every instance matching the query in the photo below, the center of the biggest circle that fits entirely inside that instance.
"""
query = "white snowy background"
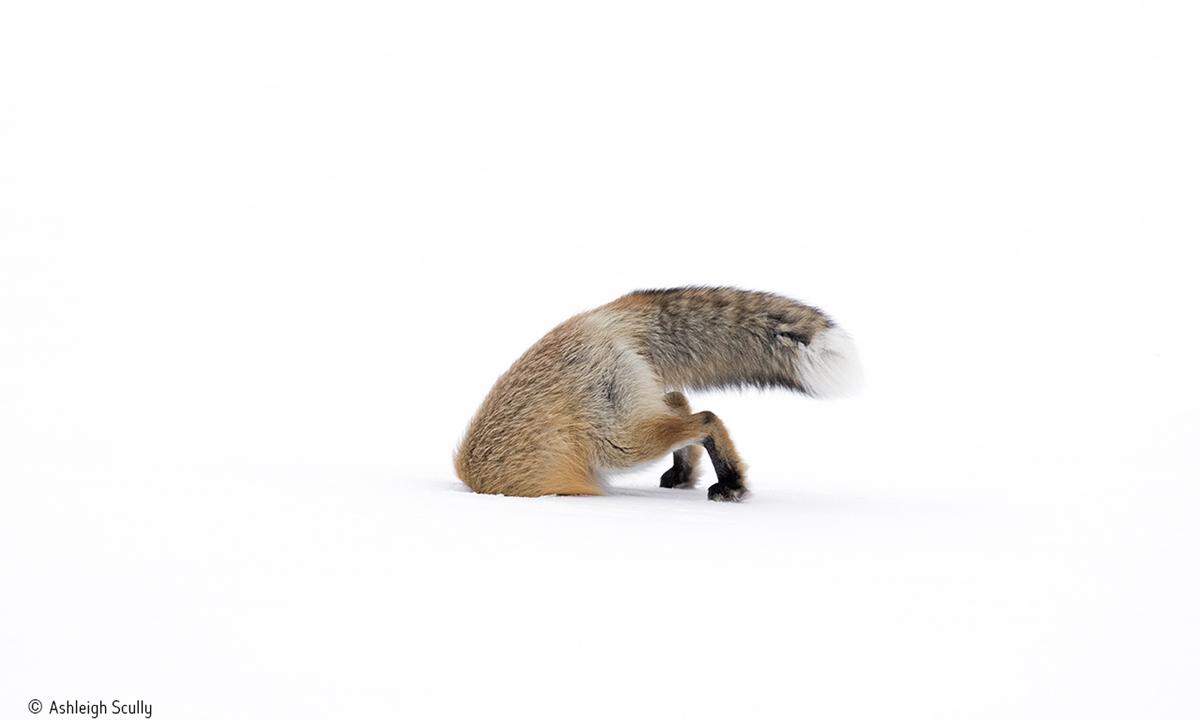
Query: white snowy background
(260, 262)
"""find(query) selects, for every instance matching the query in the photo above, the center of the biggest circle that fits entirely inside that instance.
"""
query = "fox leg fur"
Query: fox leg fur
(677, 431)
(686, 466)
(731, 473)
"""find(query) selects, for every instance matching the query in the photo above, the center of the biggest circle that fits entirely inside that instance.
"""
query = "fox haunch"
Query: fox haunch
(601, 392)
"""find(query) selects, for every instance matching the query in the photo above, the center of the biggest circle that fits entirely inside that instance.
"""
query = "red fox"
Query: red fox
(602, 392)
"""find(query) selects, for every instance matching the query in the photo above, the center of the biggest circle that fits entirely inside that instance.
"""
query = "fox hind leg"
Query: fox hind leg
(686, 465)
(684, 471)
(731, 473)
(705, 428)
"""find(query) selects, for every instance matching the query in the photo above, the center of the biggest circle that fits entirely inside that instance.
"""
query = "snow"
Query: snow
(259, 264)
(340, 591)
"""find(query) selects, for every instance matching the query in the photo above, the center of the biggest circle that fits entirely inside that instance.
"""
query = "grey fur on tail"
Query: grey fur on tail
(709, 338)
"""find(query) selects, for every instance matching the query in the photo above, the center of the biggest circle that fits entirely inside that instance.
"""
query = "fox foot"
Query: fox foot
(678, 476)
(721, 492)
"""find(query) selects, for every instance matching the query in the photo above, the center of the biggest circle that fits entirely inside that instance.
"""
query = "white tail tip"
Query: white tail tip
(828, 366)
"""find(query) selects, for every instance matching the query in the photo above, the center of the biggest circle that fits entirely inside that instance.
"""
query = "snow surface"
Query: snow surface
(260, 262)
(317, 592)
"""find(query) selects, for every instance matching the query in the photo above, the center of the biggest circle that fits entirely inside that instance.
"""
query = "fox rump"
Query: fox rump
(603, 391)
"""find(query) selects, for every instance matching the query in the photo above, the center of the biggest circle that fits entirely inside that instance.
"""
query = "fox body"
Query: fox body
(602, 392)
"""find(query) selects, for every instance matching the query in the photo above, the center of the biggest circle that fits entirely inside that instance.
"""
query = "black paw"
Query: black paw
(726, 493)
(677, 477)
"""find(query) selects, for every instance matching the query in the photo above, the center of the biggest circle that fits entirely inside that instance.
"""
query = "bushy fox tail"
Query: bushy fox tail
(702, 338)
